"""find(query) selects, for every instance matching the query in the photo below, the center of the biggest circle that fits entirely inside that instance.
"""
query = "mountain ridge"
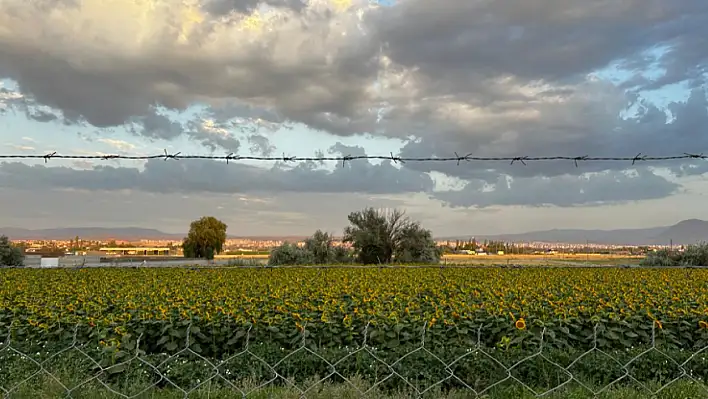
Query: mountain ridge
(112, 233)
(687, 231)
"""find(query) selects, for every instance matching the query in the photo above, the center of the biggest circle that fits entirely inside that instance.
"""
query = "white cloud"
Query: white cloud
(120, 145)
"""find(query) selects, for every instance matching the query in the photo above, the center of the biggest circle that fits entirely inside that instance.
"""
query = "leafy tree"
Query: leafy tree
(289, 254)
(10, 255)
(318, 250)
(416, 245)
(320, 246)
(205, 239)
(692, 255)
(495, 246)
(379, 236)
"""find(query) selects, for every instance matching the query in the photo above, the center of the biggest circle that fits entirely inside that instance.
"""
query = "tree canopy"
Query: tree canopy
(318, 250)
(205, 239)
(376, 237)
(380, 236)
(10, 255)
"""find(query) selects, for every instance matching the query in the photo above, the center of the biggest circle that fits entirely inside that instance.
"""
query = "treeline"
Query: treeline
(489, 246)
(374, 237)
(691, 255)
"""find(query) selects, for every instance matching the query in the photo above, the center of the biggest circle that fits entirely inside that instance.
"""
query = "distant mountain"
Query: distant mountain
(96, 233)
(685, 232)
(107, 233)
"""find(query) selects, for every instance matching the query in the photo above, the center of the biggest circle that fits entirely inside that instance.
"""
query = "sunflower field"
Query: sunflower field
(338, 304)
(272, 311)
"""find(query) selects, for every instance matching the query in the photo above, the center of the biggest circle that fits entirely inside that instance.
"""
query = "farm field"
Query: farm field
(272, 312)
(350, 298)
(530, 260)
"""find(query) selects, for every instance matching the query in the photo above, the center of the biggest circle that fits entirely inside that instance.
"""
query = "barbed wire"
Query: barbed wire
(448, 369)
(347, 158)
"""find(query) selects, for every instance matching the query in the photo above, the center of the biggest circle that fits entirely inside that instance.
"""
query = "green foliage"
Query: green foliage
(318, 250)
(493, 247)
(205, 239)
(378, 237)
(320, 246)
(10, 255)
(692, 255)
(289, 254)
(137, 378)
(416, 245)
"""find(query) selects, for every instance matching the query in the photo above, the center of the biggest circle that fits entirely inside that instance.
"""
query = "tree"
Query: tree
(318, 250)
(10, 255)
(379, 236)
(320, 245)
(693, 255)
(416, 245)
(289, 254)
(205, 239)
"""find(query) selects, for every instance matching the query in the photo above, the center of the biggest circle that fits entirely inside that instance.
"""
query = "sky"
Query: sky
(414, 78)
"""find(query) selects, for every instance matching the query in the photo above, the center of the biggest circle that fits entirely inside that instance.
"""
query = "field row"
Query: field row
(345, 300)
(270, 295)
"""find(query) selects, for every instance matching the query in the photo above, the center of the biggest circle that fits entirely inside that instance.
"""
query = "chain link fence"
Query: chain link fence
(421, 370)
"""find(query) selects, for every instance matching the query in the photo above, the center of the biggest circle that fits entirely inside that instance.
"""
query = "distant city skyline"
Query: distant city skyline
(689, 231)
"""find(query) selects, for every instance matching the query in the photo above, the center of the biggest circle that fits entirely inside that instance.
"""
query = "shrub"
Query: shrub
(693, 255)
(380, 237)
(289, 254)
(318, 250)
(10, 255)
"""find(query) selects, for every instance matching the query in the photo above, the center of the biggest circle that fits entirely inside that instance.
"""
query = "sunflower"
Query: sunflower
(520, 324)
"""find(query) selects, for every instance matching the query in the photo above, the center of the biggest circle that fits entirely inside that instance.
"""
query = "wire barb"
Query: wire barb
(47, 157)
(520, 159)
(639, 157)
(583, 158)
(170, 156)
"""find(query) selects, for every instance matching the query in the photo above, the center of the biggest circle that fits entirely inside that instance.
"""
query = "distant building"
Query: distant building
(137, 251)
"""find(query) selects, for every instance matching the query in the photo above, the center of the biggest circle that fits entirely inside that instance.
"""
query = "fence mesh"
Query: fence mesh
(540, 371)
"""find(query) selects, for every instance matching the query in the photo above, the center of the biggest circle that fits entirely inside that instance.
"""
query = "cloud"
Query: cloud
(261, 145)
(118, 144)
(128, 56)
(564, 190)
(218, 177)
(490, 78)
(21, 147)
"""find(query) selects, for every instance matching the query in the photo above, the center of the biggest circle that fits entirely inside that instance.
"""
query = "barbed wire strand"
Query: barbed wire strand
(348, 158)
(685, 372)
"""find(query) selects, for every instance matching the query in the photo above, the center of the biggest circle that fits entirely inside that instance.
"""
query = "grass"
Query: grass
(47, 387)
(71, 378)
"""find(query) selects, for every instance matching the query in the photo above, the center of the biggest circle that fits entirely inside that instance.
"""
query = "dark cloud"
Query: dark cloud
(585, 128)
(564, 191)
(490, 78)
(313, 69)
(219, 177)
(157, 126)
(222, 7)
(535, 39)
(260, 145)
